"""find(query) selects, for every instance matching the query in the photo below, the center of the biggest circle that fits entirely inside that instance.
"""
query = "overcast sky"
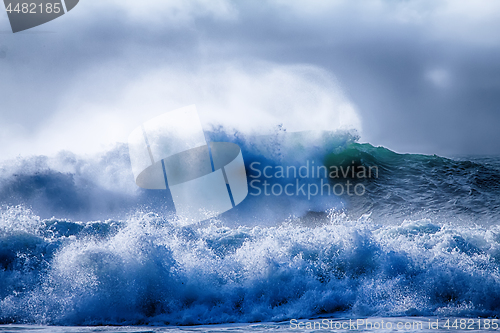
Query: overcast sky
(413, 76)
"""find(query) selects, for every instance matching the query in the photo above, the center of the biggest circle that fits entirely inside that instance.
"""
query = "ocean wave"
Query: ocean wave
(149, 270)
(402, 186)
(81, 244)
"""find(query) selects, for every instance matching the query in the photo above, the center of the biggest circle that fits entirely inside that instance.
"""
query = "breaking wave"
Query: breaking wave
(80, 244)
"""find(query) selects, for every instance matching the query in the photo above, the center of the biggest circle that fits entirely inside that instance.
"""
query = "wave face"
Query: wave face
(80, 244)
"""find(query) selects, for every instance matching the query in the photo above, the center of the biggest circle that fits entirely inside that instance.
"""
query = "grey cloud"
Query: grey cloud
(380, 57)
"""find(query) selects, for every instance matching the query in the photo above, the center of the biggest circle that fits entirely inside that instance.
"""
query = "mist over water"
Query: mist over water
(81, 244)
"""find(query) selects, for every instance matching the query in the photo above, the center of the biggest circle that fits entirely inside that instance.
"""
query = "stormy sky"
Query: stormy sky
(414, 76)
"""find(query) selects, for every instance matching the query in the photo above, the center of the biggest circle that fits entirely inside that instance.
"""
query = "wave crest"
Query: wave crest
(147, 269)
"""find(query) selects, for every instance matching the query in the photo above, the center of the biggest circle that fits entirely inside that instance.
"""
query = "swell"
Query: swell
(406, 185)
(412, 185)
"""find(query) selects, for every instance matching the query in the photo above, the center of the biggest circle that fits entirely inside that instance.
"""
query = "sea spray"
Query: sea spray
(147, 269)
(80, 244)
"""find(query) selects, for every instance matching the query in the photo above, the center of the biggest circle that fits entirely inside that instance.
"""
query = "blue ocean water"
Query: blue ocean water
(81, 244)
